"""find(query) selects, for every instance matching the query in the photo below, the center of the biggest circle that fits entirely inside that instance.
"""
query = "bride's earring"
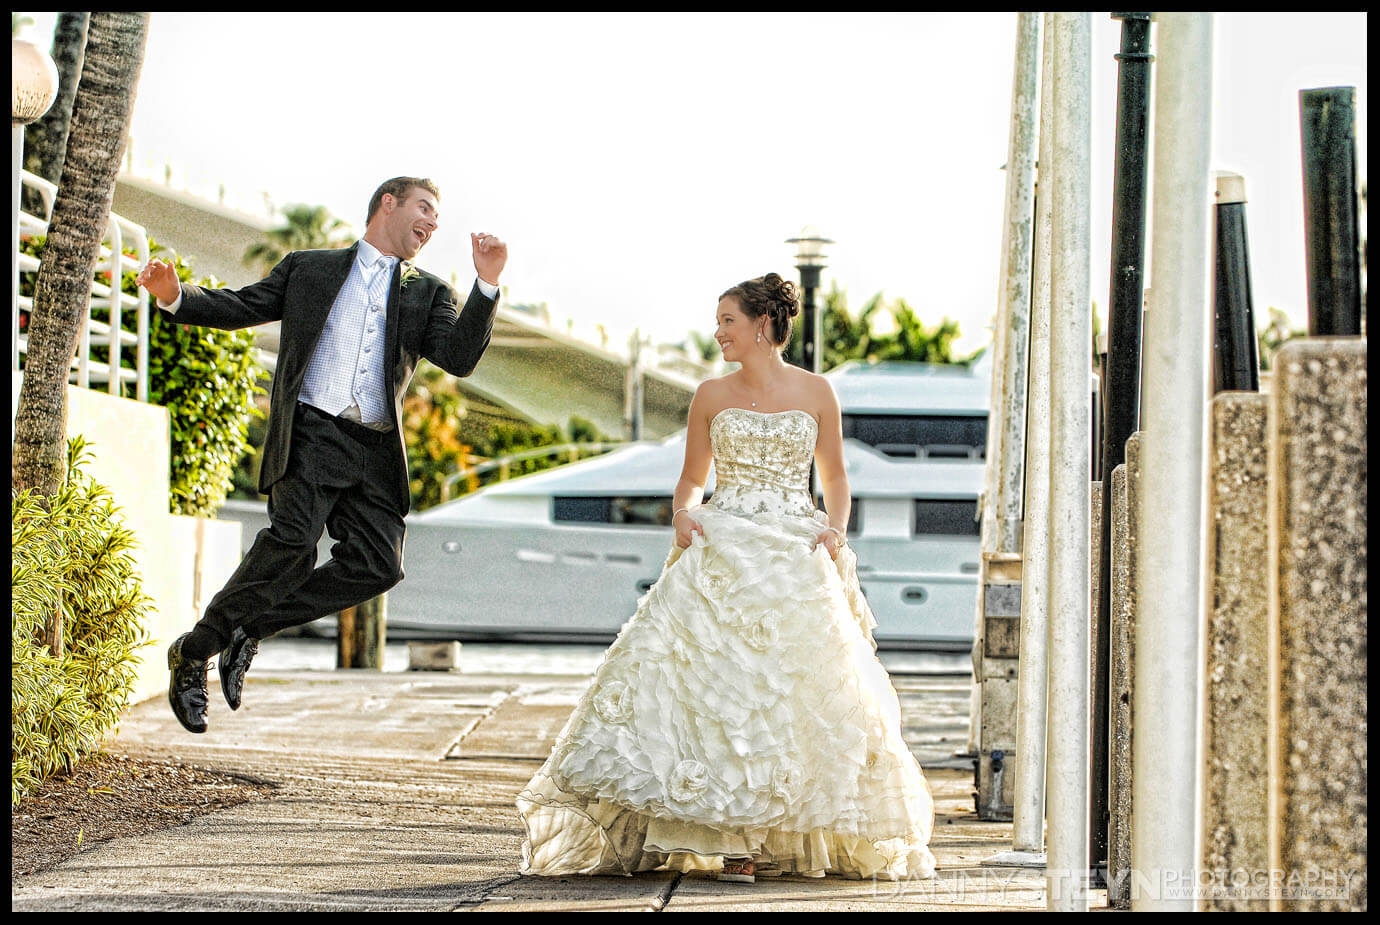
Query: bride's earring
(759, 337)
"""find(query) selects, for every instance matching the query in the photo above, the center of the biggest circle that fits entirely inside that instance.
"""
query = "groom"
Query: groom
(354, 324)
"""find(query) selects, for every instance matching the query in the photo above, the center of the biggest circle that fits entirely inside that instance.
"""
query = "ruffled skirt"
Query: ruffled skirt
(742, 711)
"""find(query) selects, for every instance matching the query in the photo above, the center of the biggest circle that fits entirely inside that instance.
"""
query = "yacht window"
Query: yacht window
(647, 510)
(946, 517)
(642, 511)
(920, 436)
(581, 510)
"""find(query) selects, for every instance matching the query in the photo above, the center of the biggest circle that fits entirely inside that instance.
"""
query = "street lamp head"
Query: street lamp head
(809, 247)
(35, 82)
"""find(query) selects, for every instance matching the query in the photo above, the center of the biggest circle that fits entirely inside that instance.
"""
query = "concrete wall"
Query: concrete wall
(175, 555)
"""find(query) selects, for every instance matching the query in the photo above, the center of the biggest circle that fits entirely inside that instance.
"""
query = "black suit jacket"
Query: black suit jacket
(423, 321)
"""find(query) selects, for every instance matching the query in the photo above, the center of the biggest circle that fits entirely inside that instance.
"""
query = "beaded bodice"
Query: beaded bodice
(762, 461)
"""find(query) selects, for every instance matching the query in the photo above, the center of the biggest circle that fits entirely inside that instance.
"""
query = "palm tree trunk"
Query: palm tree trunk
(95, 146)
(45, 141)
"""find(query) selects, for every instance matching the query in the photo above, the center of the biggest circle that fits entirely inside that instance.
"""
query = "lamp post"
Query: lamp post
(35, 86)
(809, 260)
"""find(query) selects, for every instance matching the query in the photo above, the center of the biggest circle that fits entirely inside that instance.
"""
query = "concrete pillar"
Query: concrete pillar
(1121, 672)
(1018, 232)
(1235, 695)
(1028, 826)
(1317, 558)
(1175, 379)
(1001, 529)
(1070, 462)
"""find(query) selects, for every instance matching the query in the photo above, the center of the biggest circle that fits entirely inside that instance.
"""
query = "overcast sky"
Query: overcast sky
(640, 164)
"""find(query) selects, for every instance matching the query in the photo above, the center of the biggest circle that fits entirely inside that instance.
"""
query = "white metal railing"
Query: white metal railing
(106, 293)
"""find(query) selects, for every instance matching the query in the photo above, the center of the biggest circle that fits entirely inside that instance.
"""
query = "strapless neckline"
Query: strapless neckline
(764, 413)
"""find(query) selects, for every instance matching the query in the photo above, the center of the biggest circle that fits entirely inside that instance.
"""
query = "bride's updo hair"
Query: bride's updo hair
(770, 295)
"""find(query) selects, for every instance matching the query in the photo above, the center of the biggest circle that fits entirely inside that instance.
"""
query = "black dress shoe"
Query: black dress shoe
(187, 692)
(234, 662)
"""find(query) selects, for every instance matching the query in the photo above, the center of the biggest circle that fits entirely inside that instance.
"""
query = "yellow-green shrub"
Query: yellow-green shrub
(73, 555)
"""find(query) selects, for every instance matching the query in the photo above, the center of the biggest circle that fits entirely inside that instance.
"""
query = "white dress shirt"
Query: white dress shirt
(353, 340)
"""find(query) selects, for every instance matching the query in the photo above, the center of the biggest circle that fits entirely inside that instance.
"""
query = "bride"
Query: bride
(741, 722)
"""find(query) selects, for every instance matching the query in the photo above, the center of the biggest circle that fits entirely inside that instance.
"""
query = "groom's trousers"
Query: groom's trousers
(341, 477)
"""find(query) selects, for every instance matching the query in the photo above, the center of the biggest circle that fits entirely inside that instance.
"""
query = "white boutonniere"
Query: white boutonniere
(409, 273)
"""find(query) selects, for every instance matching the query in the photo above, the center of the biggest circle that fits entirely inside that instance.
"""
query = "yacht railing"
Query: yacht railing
(480, 465)
(106, 294)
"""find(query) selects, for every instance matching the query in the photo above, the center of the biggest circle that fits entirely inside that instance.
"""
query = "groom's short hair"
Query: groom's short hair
(398, 188)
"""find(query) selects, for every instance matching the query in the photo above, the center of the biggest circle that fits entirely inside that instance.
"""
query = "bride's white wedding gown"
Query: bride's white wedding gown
(742, 710)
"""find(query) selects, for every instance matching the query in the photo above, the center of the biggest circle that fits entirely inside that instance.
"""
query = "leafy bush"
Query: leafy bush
(432, 410)
(434, 413)
(70, 555)
(206, 378)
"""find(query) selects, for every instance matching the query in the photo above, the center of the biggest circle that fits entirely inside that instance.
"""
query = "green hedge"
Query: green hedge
(72, 555)
(206, 378)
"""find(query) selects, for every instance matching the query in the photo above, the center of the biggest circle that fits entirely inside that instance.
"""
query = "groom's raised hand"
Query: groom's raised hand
(490, 256)
(160, 279)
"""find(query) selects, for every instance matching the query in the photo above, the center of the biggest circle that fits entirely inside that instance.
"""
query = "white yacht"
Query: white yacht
(565, 554)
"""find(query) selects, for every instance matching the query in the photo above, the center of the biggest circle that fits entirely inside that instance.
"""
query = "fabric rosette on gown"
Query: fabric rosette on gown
(742, 710)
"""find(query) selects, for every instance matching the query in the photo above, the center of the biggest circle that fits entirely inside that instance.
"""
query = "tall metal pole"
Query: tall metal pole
(1169, 570)
(1327, 119)
(16, 184)
(1070, 385)
(1235, 353)
(634, 399)
(809, 260)
(1121, 380)
(33, 88)
(809, 329)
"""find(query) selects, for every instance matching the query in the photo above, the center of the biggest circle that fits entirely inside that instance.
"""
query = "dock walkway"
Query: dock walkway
(394, 791)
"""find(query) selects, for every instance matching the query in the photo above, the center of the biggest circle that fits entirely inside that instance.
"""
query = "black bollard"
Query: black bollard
(1235, 353)
(1327, 122)
(1122, 380)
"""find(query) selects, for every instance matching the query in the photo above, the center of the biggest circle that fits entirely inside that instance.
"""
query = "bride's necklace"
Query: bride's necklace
(748, 393)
